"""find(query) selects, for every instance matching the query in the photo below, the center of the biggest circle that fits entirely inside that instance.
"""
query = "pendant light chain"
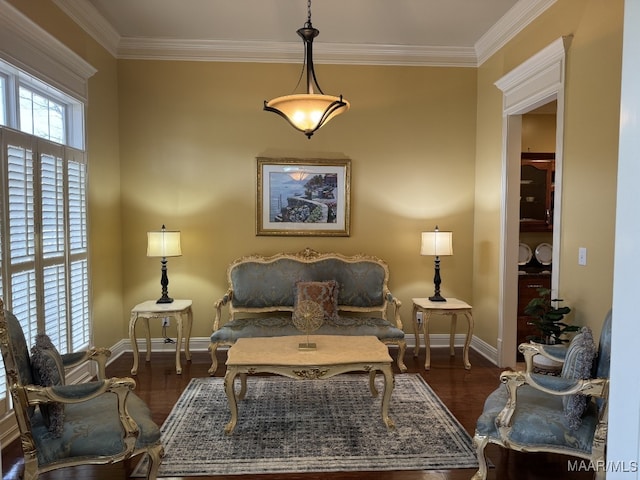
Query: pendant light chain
(308, 24)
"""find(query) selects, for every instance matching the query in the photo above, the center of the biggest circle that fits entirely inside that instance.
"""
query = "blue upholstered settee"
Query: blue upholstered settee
(262, 295)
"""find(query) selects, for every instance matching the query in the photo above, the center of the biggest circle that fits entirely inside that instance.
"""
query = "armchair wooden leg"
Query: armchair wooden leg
(214, 359)
(402, 346)
(480, 442)
(30, 466)
(155, 458)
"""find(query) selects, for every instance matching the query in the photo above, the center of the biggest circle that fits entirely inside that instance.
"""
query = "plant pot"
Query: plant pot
(546, 365)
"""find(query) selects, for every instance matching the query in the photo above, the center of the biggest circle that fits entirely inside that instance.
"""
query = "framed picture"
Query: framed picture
(303, 197)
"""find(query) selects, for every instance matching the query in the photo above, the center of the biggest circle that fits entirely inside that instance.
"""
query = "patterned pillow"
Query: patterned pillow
(48, 370)
(324, 294)
(577, 365)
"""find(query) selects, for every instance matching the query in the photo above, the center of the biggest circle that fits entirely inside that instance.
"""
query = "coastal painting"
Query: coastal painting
(303, 197)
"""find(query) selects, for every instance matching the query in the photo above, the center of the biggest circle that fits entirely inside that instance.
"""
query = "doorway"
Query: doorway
(536, 82)
(537, 212)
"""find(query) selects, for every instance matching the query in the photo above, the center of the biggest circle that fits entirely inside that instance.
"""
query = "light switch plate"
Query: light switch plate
(582, 256)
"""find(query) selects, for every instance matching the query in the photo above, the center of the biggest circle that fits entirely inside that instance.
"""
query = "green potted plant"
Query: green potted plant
(547, 316)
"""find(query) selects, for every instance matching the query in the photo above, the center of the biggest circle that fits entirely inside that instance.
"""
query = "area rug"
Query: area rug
(294, 426)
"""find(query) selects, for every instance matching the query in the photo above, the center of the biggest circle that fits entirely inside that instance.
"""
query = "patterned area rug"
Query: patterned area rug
(287, 426)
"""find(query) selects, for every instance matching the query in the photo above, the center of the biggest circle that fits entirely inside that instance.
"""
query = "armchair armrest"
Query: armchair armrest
(218, 306)
(555, 352)
(596, 387)
(98, 355)
(552, 352)
(396, 304)
(78, 393)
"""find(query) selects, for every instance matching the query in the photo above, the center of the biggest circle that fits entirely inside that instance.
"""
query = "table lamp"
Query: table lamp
(437, 243)
(164, 244)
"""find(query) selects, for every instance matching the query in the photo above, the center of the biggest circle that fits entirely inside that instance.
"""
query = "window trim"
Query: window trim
(32, 49)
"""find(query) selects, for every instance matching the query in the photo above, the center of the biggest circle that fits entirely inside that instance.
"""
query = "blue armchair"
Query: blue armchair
(97, 422)
(564, 414)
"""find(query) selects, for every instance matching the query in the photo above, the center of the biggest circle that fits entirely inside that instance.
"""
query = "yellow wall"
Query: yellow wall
(590, 142)
(175, 143)
(190, 134)
(538, 132)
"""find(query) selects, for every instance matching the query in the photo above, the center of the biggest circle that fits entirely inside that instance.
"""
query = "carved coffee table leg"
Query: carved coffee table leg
(229, 378)
(386, 399)
(372, 383)
(243, 386)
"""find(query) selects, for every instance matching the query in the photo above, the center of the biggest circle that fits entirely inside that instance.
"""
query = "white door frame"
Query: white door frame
(535, 82)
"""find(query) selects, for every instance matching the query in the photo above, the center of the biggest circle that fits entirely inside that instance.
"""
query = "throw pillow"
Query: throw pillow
(324, 294)
(577, 365)
(48, 370)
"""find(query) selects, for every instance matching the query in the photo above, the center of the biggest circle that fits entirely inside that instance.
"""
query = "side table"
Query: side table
(178, 309)
(452, 307)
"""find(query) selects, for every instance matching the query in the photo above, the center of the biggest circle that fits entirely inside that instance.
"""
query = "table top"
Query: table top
(331, 350)
(152, 306)
(450, 304)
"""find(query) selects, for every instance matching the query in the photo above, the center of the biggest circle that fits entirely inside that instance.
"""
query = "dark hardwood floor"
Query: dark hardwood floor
(463, 391)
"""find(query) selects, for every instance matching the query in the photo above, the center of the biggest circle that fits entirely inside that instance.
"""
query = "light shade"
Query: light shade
(164, 243)
(307, 112)
(437, 243)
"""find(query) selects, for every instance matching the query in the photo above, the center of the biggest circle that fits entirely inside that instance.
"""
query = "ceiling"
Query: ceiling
(351, 31)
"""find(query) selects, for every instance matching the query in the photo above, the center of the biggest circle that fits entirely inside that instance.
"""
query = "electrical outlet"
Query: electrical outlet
(165, 322)
(419, 317)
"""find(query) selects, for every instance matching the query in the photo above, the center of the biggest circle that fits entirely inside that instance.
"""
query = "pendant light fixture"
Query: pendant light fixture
(309, 111)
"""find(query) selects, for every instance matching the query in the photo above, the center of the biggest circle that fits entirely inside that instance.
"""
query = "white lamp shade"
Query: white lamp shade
(163, 244)
(437, 243)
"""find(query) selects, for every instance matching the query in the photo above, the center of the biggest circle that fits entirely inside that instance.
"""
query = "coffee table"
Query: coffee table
(334, 355)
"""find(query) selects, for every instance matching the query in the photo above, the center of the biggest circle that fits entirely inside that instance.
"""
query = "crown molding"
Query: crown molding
(91, 21)
(515, 20)
(511, 23)
(290, 52)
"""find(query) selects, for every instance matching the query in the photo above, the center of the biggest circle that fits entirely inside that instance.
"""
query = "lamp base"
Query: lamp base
(437, 298)
(165, 299)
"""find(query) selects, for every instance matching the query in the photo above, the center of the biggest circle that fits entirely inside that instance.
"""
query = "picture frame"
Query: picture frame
(303, 197)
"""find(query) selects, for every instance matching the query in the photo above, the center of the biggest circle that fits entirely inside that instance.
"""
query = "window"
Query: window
(43, 214)
(41, 116)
